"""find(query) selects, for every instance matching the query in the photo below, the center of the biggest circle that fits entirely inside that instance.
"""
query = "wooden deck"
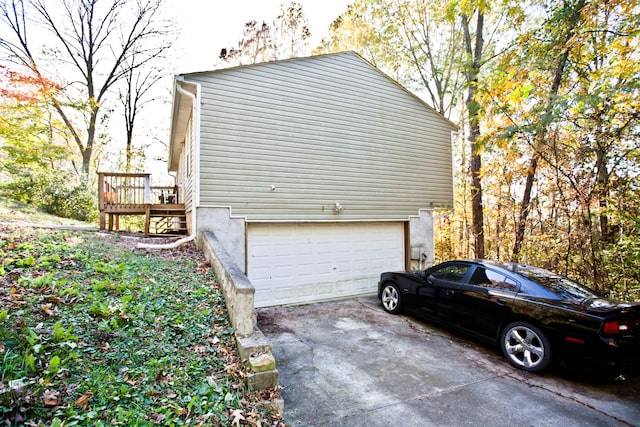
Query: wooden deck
(132, 194)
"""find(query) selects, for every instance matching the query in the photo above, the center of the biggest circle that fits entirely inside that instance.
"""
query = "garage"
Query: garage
(296, 263)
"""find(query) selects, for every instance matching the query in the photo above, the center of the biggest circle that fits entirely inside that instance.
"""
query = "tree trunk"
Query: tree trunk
(87, 151)
(602, 190)
(474, 53)
(86, 162)
(476, 200)
(524, 208)
(129, 157)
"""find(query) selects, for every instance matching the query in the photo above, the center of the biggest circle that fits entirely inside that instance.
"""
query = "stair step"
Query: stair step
(167, 220)
(166, 213)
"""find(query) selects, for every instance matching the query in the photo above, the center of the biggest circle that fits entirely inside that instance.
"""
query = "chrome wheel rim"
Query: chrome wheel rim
(390, 298)
(524, 347)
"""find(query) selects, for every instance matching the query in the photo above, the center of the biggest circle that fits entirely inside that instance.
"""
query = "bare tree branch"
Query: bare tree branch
(98, 44)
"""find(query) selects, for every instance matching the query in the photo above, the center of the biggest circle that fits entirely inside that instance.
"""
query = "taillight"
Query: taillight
(616, 326)
(612, 327)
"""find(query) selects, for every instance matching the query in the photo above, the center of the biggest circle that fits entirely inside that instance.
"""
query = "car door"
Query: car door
(436, 299)
(482, 304)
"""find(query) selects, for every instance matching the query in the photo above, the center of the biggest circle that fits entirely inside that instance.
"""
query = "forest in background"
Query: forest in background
(545, 94)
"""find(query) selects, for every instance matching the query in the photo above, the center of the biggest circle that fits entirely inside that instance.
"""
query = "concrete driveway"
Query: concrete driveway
(348, 363)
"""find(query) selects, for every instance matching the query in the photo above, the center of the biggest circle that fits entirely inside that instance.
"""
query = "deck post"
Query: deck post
(100, 188)
(147, 189)
(147, 220)
(103, 222)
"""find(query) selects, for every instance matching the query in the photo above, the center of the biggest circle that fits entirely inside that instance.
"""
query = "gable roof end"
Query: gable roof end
(184, 91)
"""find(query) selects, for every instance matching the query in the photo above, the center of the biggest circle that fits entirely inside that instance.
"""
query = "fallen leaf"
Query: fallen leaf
(47, 310)
(51, 397)
(1, 348)
(83, 401)
(157, 418)
(237, 417)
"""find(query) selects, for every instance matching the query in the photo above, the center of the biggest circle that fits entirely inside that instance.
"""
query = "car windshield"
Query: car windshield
(564, 287)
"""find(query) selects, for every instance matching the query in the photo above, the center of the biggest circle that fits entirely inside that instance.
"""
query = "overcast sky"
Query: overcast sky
(209, 25)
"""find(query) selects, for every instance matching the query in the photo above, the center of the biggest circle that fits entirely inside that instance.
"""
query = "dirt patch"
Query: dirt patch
(130, 241)
(21, 231)
(271, 321)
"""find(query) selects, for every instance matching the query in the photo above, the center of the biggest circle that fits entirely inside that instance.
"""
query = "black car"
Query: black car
(533, 314)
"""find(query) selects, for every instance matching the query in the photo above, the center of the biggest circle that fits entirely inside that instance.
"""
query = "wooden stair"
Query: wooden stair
(166, 220)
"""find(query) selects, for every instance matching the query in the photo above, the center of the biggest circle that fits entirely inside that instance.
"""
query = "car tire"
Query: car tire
(525, 346)
(391, 298)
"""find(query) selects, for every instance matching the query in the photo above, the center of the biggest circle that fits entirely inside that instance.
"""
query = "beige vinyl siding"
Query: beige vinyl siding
(321, 130)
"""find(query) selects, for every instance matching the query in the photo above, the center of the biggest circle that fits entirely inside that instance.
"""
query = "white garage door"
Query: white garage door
(298, 263)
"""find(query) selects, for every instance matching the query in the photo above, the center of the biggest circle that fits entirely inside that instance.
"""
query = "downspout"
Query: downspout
(194, 147)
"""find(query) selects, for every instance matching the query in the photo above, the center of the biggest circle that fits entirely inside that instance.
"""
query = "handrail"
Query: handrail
(122, 193)
(132, 189)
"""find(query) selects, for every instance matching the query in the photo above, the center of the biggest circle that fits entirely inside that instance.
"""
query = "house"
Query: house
(315, 174)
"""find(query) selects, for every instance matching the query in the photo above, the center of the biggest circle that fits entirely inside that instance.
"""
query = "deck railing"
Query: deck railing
(132, 194)
(133, 189)
(124, 189)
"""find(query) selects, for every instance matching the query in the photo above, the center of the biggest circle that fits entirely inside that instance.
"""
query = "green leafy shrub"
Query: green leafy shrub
(53, 192)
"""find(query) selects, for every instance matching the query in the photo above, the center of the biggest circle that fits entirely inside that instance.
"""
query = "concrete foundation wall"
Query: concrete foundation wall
(253, 347)
(189, 216)
(230, 232)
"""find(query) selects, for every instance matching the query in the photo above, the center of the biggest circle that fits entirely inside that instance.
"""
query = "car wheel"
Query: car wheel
(390, 297)
(526, 347)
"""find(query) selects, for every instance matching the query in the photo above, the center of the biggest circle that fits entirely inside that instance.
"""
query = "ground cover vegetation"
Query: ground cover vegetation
(94, 332)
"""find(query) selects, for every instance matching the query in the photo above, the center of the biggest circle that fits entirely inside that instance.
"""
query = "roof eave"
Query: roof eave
(182, 107)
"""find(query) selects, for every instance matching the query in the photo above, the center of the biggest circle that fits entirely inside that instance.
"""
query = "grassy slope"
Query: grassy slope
(14, 211)
(95, 332)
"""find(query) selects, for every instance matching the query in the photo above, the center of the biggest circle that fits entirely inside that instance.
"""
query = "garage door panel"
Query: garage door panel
(324, 289)
(299, 263)
(261, 273)
(346, 287)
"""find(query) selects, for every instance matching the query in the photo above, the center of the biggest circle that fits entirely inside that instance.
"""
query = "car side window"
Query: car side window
(450, 273)
(490, 279)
